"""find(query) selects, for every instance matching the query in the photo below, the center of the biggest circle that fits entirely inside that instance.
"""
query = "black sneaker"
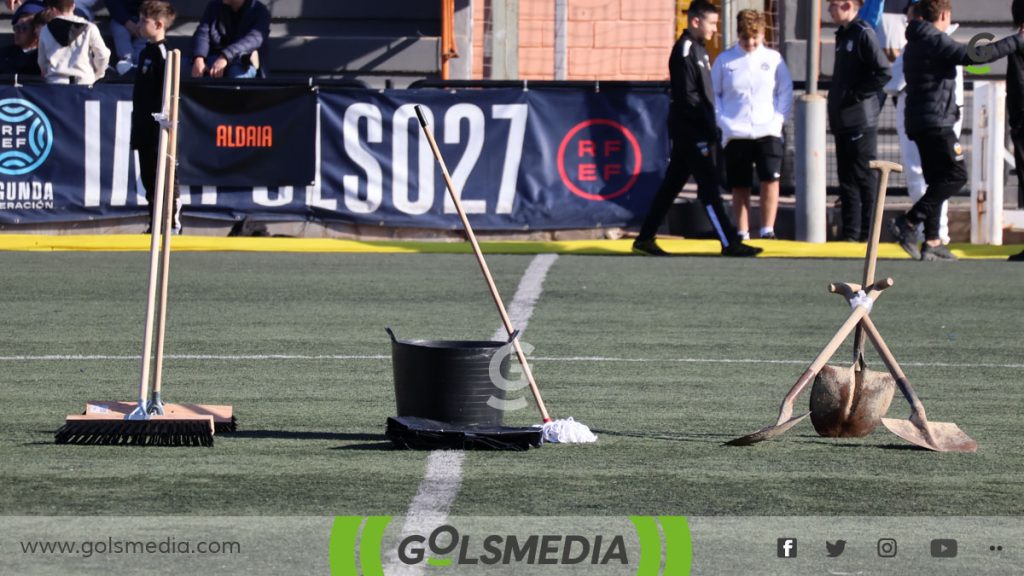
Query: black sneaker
(931, 253)
(1017, 257)
(741, 250)
(906, 235)
(768, 236)
(648, 248)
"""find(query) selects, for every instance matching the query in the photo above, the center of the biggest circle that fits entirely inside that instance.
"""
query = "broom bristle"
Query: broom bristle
(222, 427)
(136, 432)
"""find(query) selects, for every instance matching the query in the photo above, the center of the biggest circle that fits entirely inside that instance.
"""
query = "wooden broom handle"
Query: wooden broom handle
(174, 64)
(154, 229)
(483, 265)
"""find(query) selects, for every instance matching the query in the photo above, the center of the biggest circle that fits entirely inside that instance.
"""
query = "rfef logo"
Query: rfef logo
(26, 137)
(599, 159)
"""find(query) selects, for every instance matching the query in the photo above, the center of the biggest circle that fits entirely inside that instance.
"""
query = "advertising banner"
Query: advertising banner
(520, 159)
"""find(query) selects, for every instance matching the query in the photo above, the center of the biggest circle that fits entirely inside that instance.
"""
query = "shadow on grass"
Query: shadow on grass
(665, 436)
(288, 435)
(375, 446)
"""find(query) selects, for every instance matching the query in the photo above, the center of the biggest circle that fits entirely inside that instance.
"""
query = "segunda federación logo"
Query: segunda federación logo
(26, 137)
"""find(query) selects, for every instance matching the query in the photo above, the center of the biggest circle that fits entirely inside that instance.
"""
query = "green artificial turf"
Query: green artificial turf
(665, 359)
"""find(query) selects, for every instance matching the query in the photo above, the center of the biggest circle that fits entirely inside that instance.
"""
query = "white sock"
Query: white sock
(743, 234)
(767, 230)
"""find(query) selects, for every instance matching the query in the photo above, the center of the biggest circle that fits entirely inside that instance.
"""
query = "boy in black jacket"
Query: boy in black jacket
(929, 63)
(155, 16)
(694, 136)
(861, 70)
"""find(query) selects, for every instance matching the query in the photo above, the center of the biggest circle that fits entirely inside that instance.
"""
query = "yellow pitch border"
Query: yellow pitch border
(681, 247)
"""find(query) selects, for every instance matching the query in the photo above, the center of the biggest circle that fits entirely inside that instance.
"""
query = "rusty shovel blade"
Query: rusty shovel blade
(937, 436)
(849, 403)
(768, 432)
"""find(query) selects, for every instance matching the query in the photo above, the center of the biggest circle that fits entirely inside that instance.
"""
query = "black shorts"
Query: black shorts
(742, 155)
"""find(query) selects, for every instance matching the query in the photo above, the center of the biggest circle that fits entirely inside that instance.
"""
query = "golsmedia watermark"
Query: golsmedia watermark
(90, 548)
(634, 545)
(506, 549)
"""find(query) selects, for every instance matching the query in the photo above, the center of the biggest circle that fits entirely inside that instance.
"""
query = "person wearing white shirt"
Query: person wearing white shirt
(753, 97)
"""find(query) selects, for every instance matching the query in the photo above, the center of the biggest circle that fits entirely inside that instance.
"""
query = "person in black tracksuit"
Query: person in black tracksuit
(929, 63)
(694, 136)
(147, 99)
(1015, 108)
(861, 70)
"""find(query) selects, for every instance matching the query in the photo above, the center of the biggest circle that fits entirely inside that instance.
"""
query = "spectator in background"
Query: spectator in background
(753, 97)
(71, 50)
(909, 155)
(929, 65)
(123, 18)
(892, 27)
(22, 57)
(693, 133)
(861, 71)
(155, 17)
(227, 40)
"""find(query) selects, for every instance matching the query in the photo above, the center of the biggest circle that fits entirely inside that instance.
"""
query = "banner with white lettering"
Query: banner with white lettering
(259, 136)
(537, 159)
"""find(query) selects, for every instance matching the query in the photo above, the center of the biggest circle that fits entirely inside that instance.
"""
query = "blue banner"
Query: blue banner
(537, 159)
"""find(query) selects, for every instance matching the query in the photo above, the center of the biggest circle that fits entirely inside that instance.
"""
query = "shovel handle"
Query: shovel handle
(871, 257)
(894, 369)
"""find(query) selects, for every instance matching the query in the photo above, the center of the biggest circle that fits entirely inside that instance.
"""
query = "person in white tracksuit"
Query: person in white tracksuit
(912, 170)
(753, 97)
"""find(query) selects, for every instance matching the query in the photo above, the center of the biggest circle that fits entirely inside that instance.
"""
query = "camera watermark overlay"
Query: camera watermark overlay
(505, 354)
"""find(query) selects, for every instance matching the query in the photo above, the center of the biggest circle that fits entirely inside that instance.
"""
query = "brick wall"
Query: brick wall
(606, 39)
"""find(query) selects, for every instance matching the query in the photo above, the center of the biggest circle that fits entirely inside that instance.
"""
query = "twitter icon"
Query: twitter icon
(835, 549)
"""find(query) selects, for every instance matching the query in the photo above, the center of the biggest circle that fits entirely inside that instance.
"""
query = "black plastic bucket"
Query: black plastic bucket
(448, 380)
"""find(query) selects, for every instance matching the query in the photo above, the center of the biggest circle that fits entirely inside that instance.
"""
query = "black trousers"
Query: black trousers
(1017, 135)
(942, 161)
(858, 185)
(695, 158)
(148, 166)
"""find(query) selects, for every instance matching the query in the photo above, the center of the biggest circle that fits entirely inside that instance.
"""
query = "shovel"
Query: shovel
(937, 436)
(850, 402)
(786, 419)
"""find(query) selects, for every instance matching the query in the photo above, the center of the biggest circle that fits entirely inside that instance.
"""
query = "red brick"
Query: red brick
(593, 10)
(638, 62)
(593, 62)
(580, 35)
(536, 63)
(629, 34)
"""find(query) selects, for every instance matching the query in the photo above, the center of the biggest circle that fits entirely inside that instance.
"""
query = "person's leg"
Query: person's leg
(867, 181)
(701, 159)
(768, 154)
(943, 162)
(912, 172)
(739, 176)
(740, 208)
(238, 69)
(1017, 136)
(675, 177)
(849, 194)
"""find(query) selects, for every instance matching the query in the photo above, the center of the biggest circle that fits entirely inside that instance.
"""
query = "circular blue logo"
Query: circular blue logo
(26, 137)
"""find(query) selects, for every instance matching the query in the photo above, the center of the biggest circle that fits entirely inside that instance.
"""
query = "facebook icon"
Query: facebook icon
(787, 547)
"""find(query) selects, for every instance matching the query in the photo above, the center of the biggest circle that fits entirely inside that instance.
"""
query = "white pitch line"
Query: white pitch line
(443, 477)
(501, 332)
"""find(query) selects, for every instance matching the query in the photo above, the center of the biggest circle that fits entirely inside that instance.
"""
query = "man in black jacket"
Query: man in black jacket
(694, 136)
(861, 70)
(929, 62)
(228, 38)
(1015, 108)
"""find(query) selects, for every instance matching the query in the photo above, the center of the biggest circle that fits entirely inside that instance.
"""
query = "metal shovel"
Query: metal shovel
(850, 402)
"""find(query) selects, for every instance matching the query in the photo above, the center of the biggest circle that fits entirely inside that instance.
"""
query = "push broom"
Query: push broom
(565, 431)
(223, 417)
(133, 423)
